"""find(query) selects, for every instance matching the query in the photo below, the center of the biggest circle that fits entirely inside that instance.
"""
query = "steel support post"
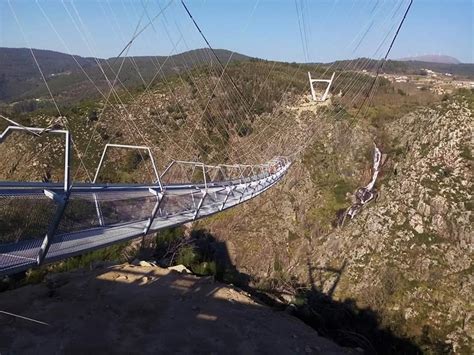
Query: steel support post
(204, 175)
(125, 146)
(313, 93)
(204, 194)
(243, 193)
(62, 201)
(325, 95)
(159, 198)
(98, 210)
(67, 162)
(230, 190)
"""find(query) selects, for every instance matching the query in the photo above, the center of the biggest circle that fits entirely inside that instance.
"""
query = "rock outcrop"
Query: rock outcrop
(146, 309)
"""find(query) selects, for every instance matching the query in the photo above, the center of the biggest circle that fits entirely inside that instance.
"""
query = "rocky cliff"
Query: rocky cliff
(407, 256)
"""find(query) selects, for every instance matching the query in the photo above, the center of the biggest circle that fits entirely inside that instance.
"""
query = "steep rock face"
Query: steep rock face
(411, 253)
(408, 256)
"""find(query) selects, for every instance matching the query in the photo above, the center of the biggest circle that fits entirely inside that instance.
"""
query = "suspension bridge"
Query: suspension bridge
(46, 222)
(81, 217)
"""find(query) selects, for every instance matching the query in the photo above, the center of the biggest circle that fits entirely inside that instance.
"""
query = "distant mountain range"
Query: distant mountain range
(73, 78)
(411, 67)
(432, 58)
(66, 74)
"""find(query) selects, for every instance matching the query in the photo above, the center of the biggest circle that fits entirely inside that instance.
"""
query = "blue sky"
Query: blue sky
(267, 29)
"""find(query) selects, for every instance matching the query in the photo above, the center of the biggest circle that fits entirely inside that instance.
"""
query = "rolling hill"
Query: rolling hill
(432, 58)
(73, 78)
(66, 74)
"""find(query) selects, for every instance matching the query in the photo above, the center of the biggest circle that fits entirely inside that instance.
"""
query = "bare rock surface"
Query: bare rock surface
(409, 256)
(145, 309)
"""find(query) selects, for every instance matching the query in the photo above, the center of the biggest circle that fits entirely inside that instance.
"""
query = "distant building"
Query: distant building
(429, 72)
(401, 79)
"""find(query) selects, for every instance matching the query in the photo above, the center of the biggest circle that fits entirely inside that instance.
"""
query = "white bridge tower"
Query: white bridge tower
(313, 92)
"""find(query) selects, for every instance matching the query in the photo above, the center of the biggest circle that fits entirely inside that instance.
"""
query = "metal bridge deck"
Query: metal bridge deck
(98, 215)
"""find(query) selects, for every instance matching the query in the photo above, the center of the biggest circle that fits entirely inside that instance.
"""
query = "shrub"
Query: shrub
(205, 268)
(187, 256)
(244, 130)
(466, 152)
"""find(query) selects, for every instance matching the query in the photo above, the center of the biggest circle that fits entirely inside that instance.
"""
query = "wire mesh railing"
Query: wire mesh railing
(44, 222)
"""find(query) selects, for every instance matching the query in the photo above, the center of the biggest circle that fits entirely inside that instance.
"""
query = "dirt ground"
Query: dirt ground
(129, 309)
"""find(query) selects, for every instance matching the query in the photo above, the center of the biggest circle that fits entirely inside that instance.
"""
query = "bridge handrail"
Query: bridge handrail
(67, 145)
(220, 194)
